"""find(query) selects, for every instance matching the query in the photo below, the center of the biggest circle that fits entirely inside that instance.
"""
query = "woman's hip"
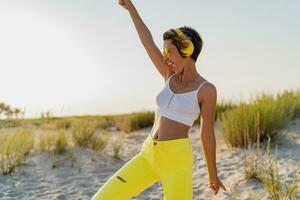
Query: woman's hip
(174, 150)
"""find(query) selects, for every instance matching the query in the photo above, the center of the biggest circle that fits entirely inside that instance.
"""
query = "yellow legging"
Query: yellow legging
(168, 161)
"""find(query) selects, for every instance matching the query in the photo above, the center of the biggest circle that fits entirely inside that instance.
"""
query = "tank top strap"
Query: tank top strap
(168, 79)
(202, 84)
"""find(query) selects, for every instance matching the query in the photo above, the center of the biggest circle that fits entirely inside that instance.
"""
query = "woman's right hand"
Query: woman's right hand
(125, 4)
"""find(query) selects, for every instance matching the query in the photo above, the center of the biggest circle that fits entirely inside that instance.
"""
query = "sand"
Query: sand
(80, 172)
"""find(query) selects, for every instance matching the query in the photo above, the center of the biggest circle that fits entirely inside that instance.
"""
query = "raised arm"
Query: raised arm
(145, 36)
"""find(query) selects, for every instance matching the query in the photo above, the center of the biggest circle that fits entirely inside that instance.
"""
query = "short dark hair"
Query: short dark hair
(189, 32)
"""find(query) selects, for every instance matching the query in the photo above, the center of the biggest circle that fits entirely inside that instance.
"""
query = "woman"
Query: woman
(166, 155)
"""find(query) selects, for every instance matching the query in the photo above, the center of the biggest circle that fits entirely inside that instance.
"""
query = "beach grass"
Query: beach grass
(14, 147)
(267, 112)
(117, 144)
(135, 121)
(265, 169)
(85, 134)
(53, 141)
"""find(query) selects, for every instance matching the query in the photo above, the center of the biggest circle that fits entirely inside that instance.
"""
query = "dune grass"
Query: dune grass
(266, 113)
(117, 144)
(135, 121)
(223, 106)
(56, 142)
(265, 170)
(248, 125)
(85, 134)
(63, 124)
(289, 100)
(14, 147)
(278, 187)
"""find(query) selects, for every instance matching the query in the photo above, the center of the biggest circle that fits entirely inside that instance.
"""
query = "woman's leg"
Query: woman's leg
(177, 185)
(130, 180)
(175, 162)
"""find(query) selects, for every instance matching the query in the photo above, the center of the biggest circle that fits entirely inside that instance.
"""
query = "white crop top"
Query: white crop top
(180, 107)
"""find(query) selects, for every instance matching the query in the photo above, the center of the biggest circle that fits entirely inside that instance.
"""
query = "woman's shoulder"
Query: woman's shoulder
(208, 87)
(207, 91)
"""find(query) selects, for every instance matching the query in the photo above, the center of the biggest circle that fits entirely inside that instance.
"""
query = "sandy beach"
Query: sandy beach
(80, 172)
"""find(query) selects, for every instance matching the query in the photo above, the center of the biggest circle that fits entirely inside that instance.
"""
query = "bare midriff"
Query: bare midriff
(167, 129)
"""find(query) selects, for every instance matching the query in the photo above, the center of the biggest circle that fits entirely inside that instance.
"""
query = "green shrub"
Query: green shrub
(221, 107)
(277, 187)
(63, 124)
(47, 141)
(265, 113)
(84, 133)
(56, 142)
(13, 149)
(61, 142)
(137, 121)
(117, 146)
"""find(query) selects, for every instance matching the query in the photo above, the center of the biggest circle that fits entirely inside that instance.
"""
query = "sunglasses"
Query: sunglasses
(165, 52)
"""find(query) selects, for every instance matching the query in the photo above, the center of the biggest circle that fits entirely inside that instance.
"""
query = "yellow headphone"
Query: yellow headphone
(190, 49)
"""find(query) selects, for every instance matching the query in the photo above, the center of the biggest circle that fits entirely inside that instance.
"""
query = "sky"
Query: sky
(77, 57)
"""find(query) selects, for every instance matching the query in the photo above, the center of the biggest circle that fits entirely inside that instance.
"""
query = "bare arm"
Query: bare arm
(207, 135)
(146, 38)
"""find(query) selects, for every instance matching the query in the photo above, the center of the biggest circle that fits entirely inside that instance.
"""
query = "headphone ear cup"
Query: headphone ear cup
(190, 49)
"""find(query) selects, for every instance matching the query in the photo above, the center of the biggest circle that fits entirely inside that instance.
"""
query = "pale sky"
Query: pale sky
(75, 57)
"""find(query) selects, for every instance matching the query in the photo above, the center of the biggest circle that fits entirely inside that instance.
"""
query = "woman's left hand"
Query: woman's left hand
(215, 184)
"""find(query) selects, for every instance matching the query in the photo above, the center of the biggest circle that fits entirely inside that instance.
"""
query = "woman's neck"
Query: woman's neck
(188, 74)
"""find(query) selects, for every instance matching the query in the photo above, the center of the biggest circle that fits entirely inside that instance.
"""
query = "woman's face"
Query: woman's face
(172, 56)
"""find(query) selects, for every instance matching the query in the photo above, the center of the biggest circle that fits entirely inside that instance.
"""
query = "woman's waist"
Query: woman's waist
(167, 131)
(168, 135)
(168, 124)
(176, 145)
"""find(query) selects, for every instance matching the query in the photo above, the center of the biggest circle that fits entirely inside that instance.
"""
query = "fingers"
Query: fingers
(213, 187)
(216, 187)
(223, 187)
